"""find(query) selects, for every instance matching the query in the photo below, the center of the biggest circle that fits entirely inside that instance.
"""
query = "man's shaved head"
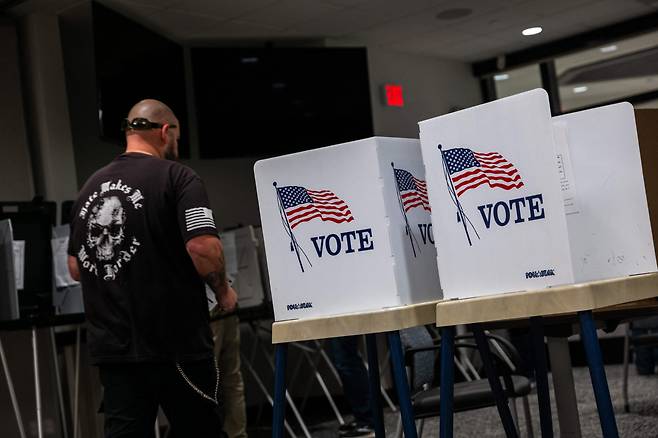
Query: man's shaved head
(153, 110)
(164, 140)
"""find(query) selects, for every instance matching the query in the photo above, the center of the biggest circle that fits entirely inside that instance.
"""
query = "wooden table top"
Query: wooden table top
(604, 295)
(361, 323)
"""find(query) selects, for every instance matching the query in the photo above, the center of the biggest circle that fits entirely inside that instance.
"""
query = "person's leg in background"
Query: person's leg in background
(645, 356)
(130, 402)
(345, 355)
(226, 333)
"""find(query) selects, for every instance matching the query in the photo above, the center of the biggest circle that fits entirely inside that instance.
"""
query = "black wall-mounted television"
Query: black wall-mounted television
(133, 63)
(259, 102)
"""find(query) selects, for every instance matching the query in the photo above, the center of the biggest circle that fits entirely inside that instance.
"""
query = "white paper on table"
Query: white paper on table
(212, 299)
(59, 247)
(19, 263)
(230, 253)
(565, 169)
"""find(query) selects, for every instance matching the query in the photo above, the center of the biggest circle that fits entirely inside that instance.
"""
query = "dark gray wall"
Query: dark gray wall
(15, 171)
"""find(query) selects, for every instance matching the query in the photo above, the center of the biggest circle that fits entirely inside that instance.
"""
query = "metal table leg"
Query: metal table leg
(37, 382)
(597, 374)
(263, 389)
(281, 359)
(541, 374)
(447, 381)
(563, 387)
(12, 393)
(400, 376)
(76, 387)
(373, 374)
(58, 380)
(494, 382)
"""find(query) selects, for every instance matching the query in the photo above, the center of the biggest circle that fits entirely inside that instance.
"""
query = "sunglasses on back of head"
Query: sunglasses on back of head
(141, 124)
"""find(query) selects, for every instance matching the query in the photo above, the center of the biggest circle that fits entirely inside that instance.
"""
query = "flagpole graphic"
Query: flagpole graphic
(408, 229)
(298, 205)
(455, 199)
(293, 240)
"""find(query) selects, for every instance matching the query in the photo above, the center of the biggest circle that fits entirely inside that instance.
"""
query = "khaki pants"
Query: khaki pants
(226, 333)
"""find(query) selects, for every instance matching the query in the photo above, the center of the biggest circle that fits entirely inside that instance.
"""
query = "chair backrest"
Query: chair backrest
(423, 369)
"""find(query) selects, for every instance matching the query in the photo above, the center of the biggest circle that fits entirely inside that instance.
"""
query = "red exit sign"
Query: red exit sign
(394, 95)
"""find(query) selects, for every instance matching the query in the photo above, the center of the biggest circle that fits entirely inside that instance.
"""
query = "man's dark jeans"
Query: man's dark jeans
(133, 392)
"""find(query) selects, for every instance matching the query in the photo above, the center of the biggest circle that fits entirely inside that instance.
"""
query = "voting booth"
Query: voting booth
(67, 296)
(8, 295)
(242, 265)
(347, 228)
(496, 203)
(602, 182)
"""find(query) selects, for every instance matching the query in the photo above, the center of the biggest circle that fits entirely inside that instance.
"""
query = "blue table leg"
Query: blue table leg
(494, 381)
(280, 360)
(541, 375)
(400, 377)
(597, 373)
(375, 398)
(447, 381)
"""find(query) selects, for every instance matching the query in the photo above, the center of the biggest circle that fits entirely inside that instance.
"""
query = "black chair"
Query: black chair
(468, 395)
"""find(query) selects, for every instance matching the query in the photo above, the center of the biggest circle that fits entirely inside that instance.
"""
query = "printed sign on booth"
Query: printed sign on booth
(347, 228)
(497, 208)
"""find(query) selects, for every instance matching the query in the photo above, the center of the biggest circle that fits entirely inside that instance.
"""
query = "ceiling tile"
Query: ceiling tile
(407, 25)
(235, 29)
(228, 9)
(287, 13)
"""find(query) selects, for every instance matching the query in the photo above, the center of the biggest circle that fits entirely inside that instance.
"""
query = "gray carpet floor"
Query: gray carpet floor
(641, 422)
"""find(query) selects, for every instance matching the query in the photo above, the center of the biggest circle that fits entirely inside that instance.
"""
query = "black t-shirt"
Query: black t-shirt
(143, 298)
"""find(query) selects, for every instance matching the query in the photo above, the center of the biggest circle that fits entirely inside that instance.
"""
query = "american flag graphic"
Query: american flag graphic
(469, 169)
(199, 217)
(413, 191)
(302, 205)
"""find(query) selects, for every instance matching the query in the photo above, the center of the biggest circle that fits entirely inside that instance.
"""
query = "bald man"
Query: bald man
(143, 243)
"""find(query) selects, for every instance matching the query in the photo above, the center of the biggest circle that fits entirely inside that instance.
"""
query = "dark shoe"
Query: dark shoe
(355, 429)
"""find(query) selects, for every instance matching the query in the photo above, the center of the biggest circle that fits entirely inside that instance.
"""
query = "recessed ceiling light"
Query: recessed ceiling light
(501, 77)
(608, 49)
(454, 13)
(532, 31)
(580, 89)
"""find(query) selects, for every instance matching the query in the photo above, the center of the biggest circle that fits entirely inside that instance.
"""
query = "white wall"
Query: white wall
(231, 189)
(47, 104)
(15, 169)
(431, 87)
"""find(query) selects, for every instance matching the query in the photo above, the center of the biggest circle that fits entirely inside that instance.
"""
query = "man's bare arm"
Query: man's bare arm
(73, 268)
(208, 257)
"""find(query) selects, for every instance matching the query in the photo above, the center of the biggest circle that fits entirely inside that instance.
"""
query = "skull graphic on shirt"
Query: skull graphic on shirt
(105, 227)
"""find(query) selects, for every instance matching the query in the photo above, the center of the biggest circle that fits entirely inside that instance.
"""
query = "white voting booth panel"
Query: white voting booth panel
(497, 209)
(605, 201)
(8, 294)
(347, 228)
(67, 296)
(242, 265)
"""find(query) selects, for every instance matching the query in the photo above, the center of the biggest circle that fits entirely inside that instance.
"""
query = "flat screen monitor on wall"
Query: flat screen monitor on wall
(134, 63)
(257, 102)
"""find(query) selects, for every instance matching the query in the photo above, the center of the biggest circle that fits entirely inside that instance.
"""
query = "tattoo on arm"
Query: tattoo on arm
(217, 279)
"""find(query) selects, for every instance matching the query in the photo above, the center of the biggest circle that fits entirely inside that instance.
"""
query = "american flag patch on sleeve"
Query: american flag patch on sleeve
(199, 217)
